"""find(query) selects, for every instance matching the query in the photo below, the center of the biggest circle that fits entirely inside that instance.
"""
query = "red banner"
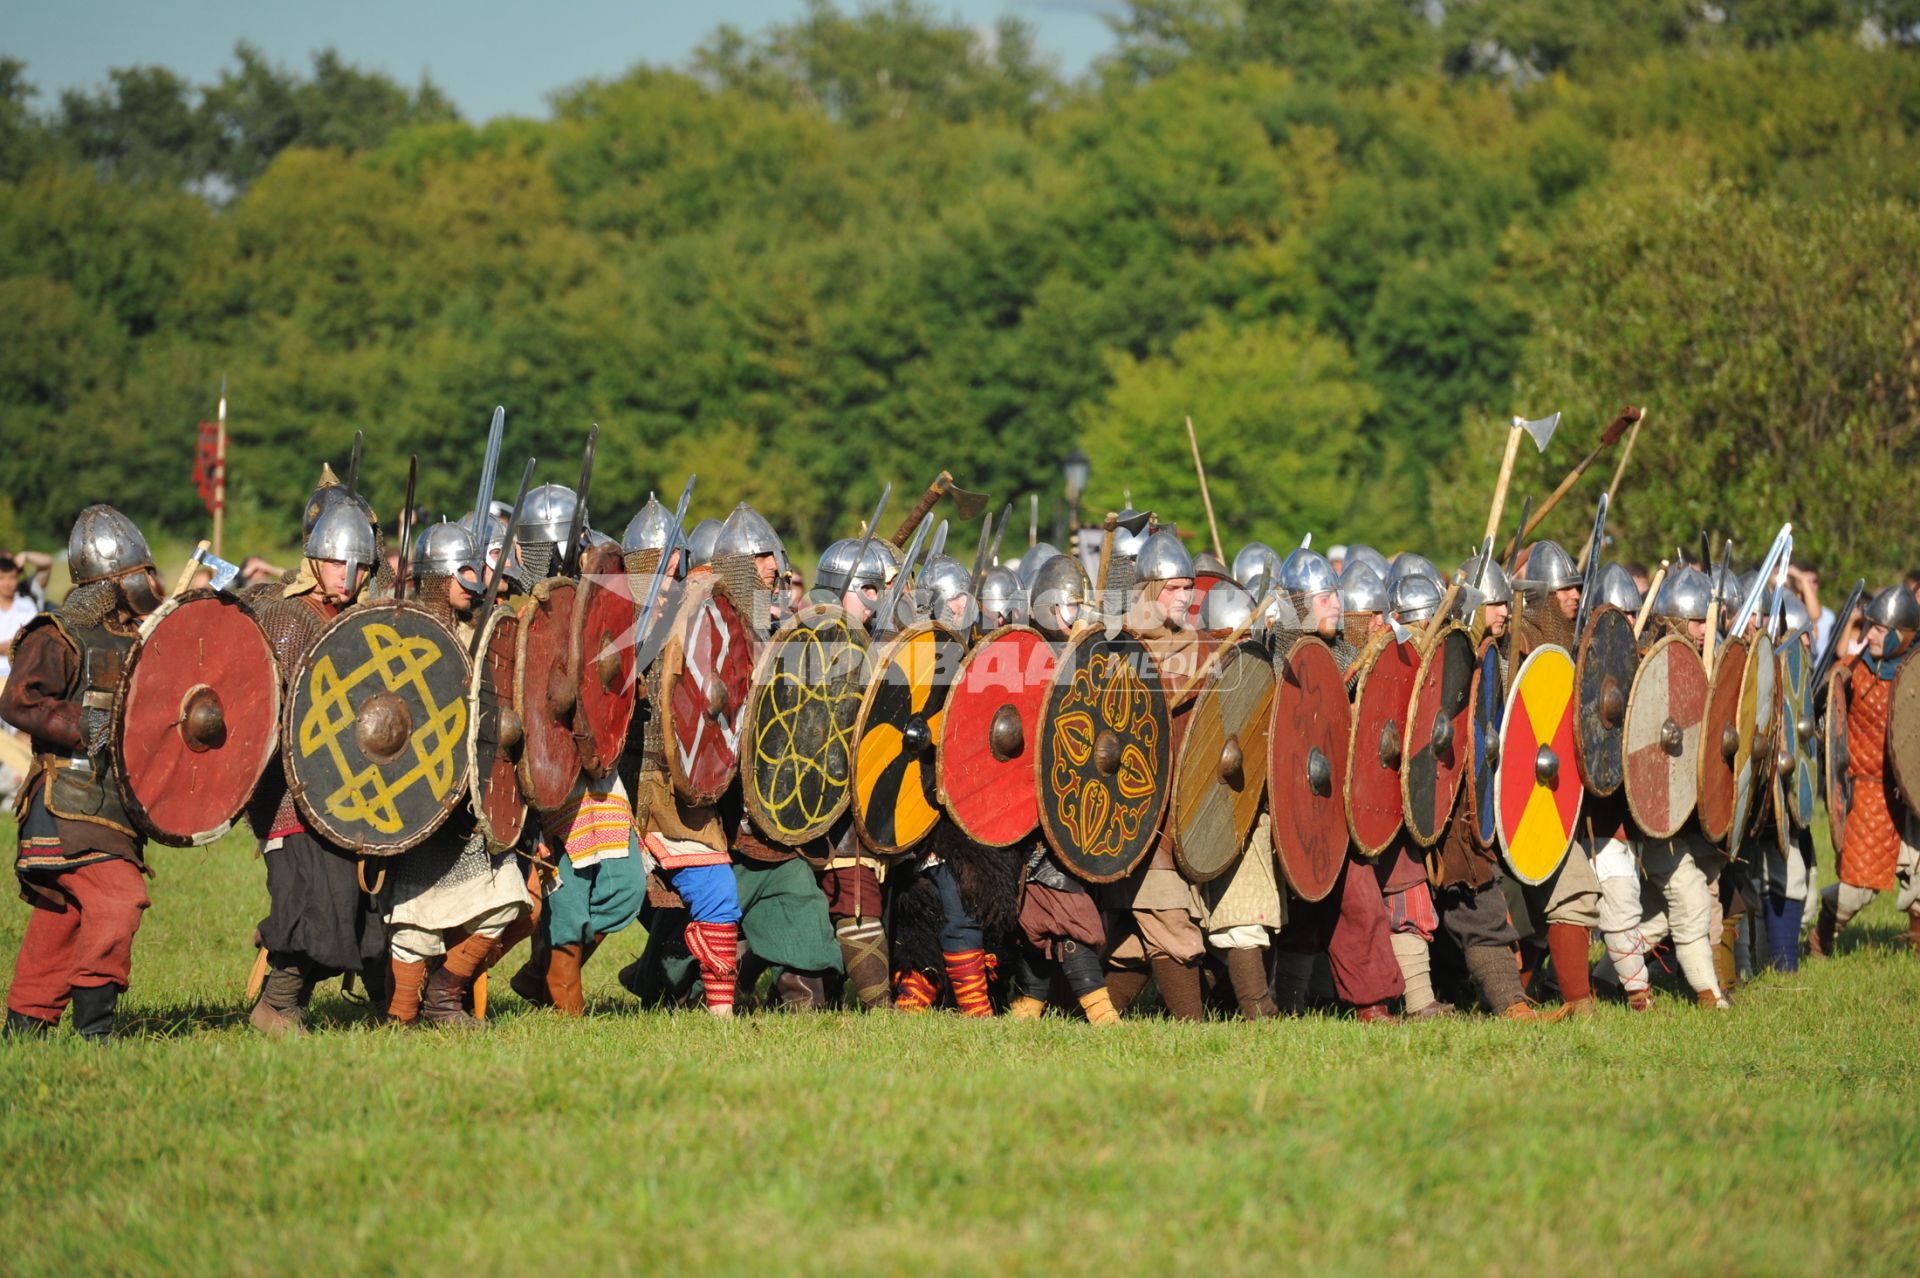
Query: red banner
(206, 463)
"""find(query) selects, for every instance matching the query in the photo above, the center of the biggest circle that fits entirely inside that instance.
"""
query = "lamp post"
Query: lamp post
(1075, 468)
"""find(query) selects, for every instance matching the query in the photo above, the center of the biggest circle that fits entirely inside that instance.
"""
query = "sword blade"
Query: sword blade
(500, 564)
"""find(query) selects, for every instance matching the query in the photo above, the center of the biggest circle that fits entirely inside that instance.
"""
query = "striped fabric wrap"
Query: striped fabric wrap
(595, 824)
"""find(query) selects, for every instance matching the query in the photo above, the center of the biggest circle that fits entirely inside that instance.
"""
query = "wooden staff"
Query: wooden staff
(1608, 438)
(1439, 617)
(1206, 498)
(1626, 452)
(1646, 605)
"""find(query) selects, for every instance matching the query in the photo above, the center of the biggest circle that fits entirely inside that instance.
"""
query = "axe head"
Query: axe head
(1133, 521)
(1541, 430)
(224, 573)
(966, 504)
(1401, 634)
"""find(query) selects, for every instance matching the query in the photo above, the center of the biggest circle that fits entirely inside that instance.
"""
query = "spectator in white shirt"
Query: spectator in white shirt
(16, 610)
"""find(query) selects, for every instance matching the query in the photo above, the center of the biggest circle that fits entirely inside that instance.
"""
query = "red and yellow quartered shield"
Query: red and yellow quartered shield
(1539, 786)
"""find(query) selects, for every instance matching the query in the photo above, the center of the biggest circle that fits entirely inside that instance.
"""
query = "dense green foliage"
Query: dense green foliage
(1778, 1138)
(1348, 239)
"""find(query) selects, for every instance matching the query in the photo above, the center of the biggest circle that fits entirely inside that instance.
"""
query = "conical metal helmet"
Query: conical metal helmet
(1895, 608)
(747, 532)
(649, 529)
(1361, 589)
(1549, 567)
(441, 550)
(1223, 608)
(1030, 562)
(1415, 598)
(345, 535)
(104, 543)
(1162, 557)
(1307, 572)
(700, 542)
(1616, 588)
(1057, 595)
(1208, 562)
(1684, 595)
(876, 566)
(1255, 558)
(1407, 564)
(1793, 611)
(1494, 588)
(942, 580)
(1360, 553)
(1000, 598)
(546, 517)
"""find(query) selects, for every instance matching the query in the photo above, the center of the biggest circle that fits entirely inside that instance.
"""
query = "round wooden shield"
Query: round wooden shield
(493, 731)
(896, 800)
(1221, 774)
(1839, 783)
(806, 692)
(195, 719)
(1800, 782)
(1307, 769)
(1105, 755)
(1374, 752)
(1539, 788)
(376, 728)
(1438, 735)
(601, 654)
(984, 765)
(1602, 680)
(1665, 710)
(1903, 732)
(1720, 740)
(544, 693)
(707, 698)
(1489, 705)
(1754, 718)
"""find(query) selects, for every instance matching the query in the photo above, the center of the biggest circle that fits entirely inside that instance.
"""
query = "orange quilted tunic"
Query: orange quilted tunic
(1872, 846)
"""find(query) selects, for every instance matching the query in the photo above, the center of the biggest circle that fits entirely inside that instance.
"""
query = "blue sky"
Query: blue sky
(492, 57)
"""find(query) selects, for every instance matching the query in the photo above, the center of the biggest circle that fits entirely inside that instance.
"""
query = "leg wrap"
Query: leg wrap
(1247, 969)
(409, 978)
(863, 949)
(967, 975)
(914, 992)
(1416, 969)
(716, 947)
(1569, 943)
(1494, 975)
(1179, 988)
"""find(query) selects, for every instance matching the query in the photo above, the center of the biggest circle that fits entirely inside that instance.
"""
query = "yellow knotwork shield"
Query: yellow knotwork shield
(375, 729)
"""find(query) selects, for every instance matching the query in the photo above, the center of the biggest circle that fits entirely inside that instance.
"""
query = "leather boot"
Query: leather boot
(408, 979)
(799, 992)
(281, 1009)
(1247, 969)
(1521, 1011)
(445, 1001)
(863, 949)
(1826, 924)
(530, 982)
(1640, 1000)
(1099, 1008)
(1025, 1007)
(1179, 988)
(93, 1011)
(20, 1025)
(1123, 986)
(1375, 1013)
(563, 980)
(1712, 1000)
(1724, 968)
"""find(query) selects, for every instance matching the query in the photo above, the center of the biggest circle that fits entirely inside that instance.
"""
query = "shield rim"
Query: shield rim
(878, 662)
(1805, 755)
(1721, 667)
(1406, 736)
(807, 617)
(135, 808)
(1353, 745)
(456, 793)
(1506, 725)
(1262, 719)
(1646, 663)
(1089, 634)
(521, 766)
(676, 768)
(1336, 760)
(1579, 668)
(1487, 642)
(495, 618)
(1033, 729)
(585, 589)
(1907, 790)
(1755, 746)
(1834, 732)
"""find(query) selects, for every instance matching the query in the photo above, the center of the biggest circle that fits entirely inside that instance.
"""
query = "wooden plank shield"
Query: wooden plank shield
(1221, 774)
(544, 694)
(1307, 769)
(1720, 740)
(1666, 707)
(1839, 783)
(493, 731)
(1602, 679)
(806, 694)
(984, 765)
(1106, 752)
(1374, 751)
(196, 719)
(1438, 733)
(1800, 780)
(896, 799)
(601, 653)
(376, 727)
(706, 696)
(1903, 732)
(1489, 707)
(1754, 718)
(1539, 790)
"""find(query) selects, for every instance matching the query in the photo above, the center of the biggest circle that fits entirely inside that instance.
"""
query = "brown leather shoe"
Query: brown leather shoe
(1375, 1013)
(444, 1004)
(1820, 940)
(1434, 1011)
(1712, 1001)
(1521, 1012)
(563, 981)
(1640, 1000)
(1580, 1009)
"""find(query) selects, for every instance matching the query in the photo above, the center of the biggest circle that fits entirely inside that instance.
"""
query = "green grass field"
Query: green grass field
(1782, 1138)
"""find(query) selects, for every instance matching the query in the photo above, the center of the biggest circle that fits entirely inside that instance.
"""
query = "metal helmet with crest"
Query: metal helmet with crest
(1494, 588)
(1415, 598)
(546, 521)
(650, 529)
(344, 534)
(1306, 572)
(875, 569)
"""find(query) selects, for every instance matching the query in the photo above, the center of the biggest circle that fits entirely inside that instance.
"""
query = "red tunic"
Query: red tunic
(1872, 847)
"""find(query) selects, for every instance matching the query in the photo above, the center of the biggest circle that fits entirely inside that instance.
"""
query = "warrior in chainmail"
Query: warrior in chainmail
(1350, 925)
(455, 904)
(319, 922)
(79, 857)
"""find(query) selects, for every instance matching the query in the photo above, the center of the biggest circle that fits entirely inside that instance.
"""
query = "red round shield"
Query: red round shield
(195, 719)
(494, 733)
(1374, 801)
(1438, 735)
(1307, 769)
(706, 696)
(601, 652)
(1665, 708)
(985, 761)
(544, 694)
(1720, 740)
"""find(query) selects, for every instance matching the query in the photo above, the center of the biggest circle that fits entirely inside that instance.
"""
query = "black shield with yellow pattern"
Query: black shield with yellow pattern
(807, 689)
(1105, 760)
(375, 730)
(896, 800)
